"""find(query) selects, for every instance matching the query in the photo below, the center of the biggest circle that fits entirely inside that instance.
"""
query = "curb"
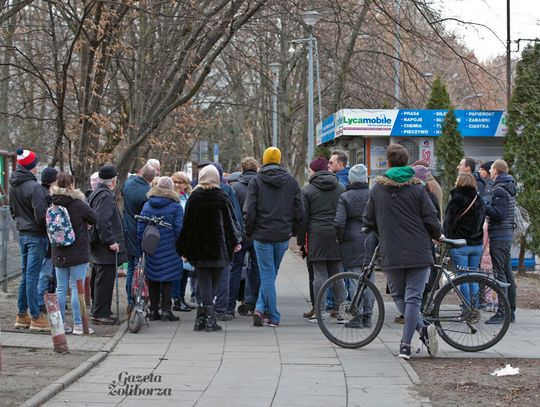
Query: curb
(63, 382)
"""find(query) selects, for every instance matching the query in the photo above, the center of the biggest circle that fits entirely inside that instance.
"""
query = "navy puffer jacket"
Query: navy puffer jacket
(165, 264)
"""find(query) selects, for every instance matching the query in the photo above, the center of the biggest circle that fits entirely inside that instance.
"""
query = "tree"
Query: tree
(449, 152)
(522, 143)
(439, 98)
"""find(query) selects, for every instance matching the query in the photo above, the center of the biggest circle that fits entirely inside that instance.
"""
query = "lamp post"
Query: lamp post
(274, 66)
(473, 96)
(397, 56)
(310, 18)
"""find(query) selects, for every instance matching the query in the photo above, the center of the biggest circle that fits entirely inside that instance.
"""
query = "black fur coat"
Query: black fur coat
(208, 237)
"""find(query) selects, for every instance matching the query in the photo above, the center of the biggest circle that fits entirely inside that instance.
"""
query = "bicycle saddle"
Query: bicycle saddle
(454, 242)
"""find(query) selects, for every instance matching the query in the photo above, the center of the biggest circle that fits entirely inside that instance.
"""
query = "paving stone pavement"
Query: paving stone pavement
(293, 365)
(44, 341)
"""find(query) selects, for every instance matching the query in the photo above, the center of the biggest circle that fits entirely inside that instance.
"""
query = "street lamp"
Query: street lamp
(473, 96)
(274, 66)
(310, 18)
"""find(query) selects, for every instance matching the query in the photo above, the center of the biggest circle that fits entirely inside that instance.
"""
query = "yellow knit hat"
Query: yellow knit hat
(272, 155)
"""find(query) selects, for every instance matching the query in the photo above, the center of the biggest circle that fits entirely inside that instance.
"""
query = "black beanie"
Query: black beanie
(107, 172)
(48, 175)
(487, 165)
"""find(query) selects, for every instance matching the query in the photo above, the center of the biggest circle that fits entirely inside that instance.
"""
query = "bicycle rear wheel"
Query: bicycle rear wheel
(463, 325)
(348, 325)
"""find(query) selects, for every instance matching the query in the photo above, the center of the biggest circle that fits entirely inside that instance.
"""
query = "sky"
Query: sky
(524, 23)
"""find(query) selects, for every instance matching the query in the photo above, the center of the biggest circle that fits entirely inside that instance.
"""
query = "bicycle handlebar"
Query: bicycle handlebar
(153, 220)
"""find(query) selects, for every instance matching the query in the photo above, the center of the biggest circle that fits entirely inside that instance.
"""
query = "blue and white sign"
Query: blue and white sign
(409, 123)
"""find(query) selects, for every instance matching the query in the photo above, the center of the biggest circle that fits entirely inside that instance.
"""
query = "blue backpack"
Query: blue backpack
(59, 228)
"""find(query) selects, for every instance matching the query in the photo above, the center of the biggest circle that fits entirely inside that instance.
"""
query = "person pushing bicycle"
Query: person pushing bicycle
(400, 210)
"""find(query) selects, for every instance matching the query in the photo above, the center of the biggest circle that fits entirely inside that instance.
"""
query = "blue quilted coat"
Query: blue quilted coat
(165, 265)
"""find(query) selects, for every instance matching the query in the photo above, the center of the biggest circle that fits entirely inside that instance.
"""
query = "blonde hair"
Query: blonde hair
(182, 176)
(500, 165)
(466, 180)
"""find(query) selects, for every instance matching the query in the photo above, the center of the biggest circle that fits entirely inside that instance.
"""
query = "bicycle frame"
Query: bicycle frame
(366, 273)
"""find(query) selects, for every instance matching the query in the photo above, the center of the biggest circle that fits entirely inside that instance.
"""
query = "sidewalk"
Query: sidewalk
(293, 365)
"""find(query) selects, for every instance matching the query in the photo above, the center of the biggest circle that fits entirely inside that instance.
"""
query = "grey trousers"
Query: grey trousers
(322, 271)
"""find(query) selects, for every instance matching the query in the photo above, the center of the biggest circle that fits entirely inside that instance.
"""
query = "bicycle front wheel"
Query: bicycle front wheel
(461, 322)
(345, 324)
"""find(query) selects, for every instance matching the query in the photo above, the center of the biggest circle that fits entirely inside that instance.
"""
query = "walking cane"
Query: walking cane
(117, 293)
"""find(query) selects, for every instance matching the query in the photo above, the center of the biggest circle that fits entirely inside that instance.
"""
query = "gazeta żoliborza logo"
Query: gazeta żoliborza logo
(377, 121)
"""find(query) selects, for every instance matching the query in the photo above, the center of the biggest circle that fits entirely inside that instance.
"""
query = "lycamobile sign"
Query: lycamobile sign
(382, 120)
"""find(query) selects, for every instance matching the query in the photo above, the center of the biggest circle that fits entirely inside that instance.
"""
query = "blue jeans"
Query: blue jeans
(222, 290)
(45, 275)
(269, 256)
(33, 251)
(468, 256)
(132, 263)
(63, 276)
(252, 277)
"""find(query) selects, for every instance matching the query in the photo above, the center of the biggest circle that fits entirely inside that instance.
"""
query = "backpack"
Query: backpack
(522, 222)
(59, 228)
(150, 240)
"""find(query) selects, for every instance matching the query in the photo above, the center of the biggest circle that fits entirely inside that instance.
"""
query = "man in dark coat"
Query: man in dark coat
(135, 190)
(320, 202)
(500, 212)
(400, 210)
(107, 245)
(273, 212)
(28, 206)
(249, 166)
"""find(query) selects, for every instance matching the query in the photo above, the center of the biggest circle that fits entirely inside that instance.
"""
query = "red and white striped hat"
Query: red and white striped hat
(26, 158)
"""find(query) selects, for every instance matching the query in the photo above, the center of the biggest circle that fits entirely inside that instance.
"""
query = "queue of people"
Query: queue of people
(223, 228)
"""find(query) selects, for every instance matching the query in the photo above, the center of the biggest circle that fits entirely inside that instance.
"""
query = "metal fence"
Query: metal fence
(10, 263)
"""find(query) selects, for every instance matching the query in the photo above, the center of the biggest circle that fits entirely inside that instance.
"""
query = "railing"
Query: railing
(10, 263)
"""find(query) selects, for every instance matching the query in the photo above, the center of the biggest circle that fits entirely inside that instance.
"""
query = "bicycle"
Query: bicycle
(460, 322)
(139, 288)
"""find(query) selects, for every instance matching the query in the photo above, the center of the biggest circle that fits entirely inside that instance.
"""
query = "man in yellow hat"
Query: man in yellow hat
(273, 212)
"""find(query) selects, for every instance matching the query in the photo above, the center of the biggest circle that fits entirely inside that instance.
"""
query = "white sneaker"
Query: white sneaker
(78, 329)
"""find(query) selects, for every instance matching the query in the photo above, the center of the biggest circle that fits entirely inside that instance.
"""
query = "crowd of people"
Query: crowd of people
(229, 228)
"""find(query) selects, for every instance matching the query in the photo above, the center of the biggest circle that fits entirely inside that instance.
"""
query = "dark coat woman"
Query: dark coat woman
(464, 219)
(163, 267)
(208, 240)
(320, 203)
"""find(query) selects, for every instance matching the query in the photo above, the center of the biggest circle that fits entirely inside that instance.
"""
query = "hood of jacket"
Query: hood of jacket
(159, 197)
(63, 196)
(385, 181)
(274, 175)
(246, 176)
(400, 174)
(324, 180)
(507, 182)
(21, 175)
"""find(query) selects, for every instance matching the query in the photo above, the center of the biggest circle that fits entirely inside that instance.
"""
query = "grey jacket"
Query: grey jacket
(108, 227)
(356, 246)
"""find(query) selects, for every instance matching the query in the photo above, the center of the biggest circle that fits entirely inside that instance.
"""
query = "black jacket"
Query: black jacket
(501, 208)
(356, 246)
(273, 209)
(108, 227)
(320, 202)
(208, 235)
(27, 202)
(80, 215)
(471, 225)
(240, 189)
(405, 220)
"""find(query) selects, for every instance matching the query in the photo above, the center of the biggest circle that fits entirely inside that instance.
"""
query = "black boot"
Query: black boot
(177, 304)
(167, 315)
(200, 319)
(211, 324)
(154, 315)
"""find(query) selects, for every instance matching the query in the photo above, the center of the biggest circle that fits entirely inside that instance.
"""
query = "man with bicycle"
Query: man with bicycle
(400, 210)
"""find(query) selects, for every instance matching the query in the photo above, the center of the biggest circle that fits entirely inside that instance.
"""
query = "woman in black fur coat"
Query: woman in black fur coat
(208, 241)
(464, 219)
